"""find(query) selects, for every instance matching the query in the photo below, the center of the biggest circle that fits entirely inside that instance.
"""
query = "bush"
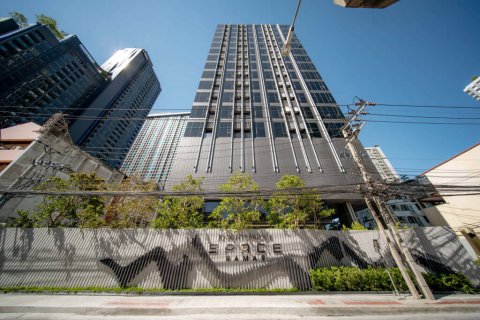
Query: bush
(377, 279)
(450, 282)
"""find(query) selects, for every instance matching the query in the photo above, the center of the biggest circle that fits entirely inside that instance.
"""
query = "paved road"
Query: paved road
(241, 307)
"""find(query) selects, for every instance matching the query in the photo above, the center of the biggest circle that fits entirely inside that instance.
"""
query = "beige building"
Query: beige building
(14, 141)
(382, 164)
(457, 181)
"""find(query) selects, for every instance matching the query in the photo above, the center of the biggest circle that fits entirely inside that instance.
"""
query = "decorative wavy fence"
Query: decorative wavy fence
(206, 258)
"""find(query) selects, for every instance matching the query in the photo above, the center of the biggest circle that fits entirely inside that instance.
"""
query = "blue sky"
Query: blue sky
(419, 52)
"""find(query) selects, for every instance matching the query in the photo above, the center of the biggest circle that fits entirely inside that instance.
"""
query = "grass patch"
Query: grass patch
(137, 290)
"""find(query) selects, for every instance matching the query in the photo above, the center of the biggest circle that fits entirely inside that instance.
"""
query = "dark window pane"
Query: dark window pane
(227, 97)
(194, 129)
(275, 113)
(307, 113)
(272, 97)
(259, 129)
(297, 85)
(279, 130)
(208, 74)
(257, 112)
(205, 85)
(314, 130)
(202, 96)
(225, 112)
(198, 112)
(257, 97)
(228, 85)
(333, 129)
(224, 129)
(211, 65)
(301, 97)
(269, 85)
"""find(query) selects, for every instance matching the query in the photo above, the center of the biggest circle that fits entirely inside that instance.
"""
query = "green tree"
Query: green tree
(354, 226)
(67, 210)
(291, 207)
(131, 211)
(51, 24)
(19, 18)
(181, 211)
(237, 212)
(23, 220)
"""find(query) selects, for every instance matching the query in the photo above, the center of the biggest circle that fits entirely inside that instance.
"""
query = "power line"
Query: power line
(424, 106)
(420, 116)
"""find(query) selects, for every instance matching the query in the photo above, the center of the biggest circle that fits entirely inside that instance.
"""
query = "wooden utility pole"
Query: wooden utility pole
(382, 218)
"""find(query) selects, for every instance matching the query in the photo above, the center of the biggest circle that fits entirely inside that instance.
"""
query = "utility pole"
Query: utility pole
(387, 227)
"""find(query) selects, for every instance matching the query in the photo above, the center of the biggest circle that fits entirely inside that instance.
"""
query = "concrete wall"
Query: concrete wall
(206, 258)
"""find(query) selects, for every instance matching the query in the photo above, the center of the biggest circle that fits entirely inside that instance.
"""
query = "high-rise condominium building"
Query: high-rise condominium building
(382, 164)
(112, 121)
(473, 89)
(258, 112)
(152, 154)
(42, 75)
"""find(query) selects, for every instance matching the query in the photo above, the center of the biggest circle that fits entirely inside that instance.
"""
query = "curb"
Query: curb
(309, 311)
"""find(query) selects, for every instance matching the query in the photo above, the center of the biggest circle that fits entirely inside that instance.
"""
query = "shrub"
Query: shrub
(377, 279)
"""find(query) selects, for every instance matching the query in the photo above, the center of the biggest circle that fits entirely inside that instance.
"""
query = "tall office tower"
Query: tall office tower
(381, 163)
(267, 115)
(154, 150)
(113, 120)
(42, 75)
(473, 88)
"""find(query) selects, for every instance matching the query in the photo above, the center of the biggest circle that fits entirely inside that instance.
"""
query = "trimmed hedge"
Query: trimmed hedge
(377, 279)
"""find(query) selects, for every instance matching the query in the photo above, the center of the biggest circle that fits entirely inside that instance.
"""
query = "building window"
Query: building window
(205, 85)
(224, 129)
(307, 113)
(314, 130)
(259, 129)
(275, 113)
(198, 112)
(334, 129)
(257, 112)
(225, 112)
(202, 96)
(194, 129)
(279, 130)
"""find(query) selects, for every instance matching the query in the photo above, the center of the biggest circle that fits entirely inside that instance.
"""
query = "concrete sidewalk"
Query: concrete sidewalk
(298, 305)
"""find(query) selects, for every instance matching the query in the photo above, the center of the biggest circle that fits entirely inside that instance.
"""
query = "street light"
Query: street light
(288, 43)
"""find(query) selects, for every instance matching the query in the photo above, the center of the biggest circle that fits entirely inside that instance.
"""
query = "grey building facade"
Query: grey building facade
(42, 75)
(258, 112)
(152, 155)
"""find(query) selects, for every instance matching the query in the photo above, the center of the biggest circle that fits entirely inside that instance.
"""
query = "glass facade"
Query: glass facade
(42, 75)
(153, 152)
(120, 110)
